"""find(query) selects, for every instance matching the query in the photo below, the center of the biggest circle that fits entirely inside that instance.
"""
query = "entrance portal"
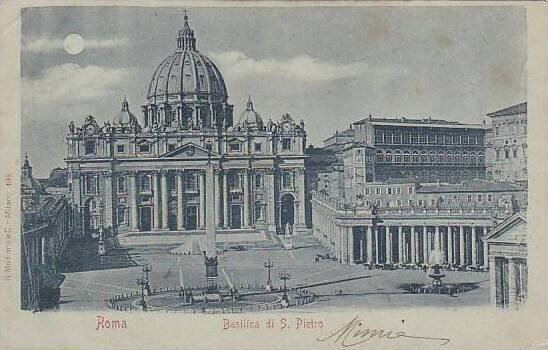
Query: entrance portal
(236, 216)
(287, 210)
(145, 218)
(90, 221)
(191, 217)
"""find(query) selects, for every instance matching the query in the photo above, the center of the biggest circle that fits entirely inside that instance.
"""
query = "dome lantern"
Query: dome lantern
(186, 40)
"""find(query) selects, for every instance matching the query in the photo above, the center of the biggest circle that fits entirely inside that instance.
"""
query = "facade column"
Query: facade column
(201, 177)
(369, 243)
(133, 207)
(180, 202)
(109, 198)
(301, 210)
(437, 245)
(443, 243)
(400, 245)
(245, 174)
(350, 243)
(43, 246)
(218, 191)
(413, 245)
(388, 245)
(462, 250)
(474, 247)
(165, 201)
(485, 247)
(226, 194)
(425, 247)
(450, 241)
(156, 202)
(512, 281)
(271, 200)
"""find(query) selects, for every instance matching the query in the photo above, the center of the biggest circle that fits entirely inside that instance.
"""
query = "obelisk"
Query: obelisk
(211, 239)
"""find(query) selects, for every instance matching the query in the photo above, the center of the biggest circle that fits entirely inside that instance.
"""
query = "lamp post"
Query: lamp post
(268, 264)
(146, 270)
(285, 276)
(142, 282)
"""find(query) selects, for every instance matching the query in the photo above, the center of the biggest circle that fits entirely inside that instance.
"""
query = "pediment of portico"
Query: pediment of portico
(190, 151)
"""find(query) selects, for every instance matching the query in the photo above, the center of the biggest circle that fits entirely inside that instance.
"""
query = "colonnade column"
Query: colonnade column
(462, 247)
(388, 237)
(485, 247)
(133, 207)
(450, 241)
(474, 247)
(375, 233)
(350, 243)
(437, 244)
(201, 177)
(226, 193)
(156, 202)
(245, 174)
(180, 202)
(218, 192)
(400, 244)
(413, 245)
(165, 199)
(369, 238)
(425, 244)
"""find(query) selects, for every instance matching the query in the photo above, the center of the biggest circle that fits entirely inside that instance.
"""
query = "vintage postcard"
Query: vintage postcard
(241, 175)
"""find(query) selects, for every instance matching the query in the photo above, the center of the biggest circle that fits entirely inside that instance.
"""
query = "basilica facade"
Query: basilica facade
(149, 174)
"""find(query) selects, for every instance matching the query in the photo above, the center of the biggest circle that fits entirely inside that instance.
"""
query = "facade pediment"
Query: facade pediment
(189, 151)
(512, 230)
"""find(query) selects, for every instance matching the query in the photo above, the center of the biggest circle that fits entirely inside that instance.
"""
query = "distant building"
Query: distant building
(507, 250)
(47, 226)
(506, 152)
(426, 149)
(339, 140)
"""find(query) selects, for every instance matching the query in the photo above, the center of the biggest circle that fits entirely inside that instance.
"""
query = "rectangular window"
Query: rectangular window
(90, 147)
(258, 147)
(91, 185)
(410, 190)
(515, 152)
(456, 199)
(398, 190)
(258, 181)
(145, 183)
(378, 190)
(489, 197)
(234, 146)
(144, 148)
(286, 144)
(191, 181)
(469, 198)
(287, 179)
(506, 154)
(398, 202)
(497, 154)
(420, 202)
(234, 181)
(121, 184)
(367, 191)
(480, 198)
(432, 202)
(120, 148)
(388, 190)
(121, 215)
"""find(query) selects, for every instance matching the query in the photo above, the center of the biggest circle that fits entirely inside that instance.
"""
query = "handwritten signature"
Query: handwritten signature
(355, 332)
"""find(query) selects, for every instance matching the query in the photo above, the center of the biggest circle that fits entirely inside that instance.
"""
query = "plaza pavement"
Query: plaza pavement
(116, 273)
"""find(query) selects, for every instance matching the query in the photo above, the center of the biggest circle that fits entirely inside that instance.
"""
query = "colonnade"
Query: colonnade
(456, 244)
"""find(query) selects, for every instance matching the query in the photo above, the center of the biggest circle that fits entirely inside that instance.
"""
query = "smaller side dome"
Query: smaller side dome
(125, 117)
(249, 118)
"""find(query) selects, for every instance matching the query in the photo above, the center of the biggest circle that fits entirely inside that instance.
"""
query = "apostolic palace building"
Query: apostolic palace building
(148, 174)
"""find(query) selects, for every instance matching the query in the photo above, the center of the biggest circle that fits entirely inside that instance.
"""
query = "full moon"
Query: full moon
(74, 44)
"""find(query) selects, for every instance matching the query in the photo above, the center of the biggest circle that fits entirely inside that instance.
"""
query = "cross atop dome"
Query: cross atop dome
(186, 40)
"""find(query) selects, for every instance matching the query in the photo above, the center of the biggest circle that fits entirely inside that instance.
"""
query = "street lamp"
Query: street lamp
(285, 276)
(146, 270)
(142, 282)
(268, 264)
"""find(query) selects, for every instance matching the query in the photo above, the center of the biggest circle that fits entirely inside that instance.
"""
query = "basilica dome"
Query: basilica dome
(187, 74)
(250, 118)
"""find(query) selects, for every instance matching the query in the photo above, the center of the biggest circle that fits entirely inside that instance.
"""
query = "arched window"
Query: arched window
(415, 156)
(379, 156)
(441, 157)
(406, 156)
(388, 156)
(457, 157)
(424, 157)
(432, 158)
(449, 158)
(481, 158)
(398, 156)
(473, 158)
(465, 157)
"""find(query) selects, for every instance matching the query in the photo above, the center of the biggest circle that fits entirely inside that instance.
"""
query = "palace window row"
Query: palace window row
(448, 200)
(424, 157)
(427, 138)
